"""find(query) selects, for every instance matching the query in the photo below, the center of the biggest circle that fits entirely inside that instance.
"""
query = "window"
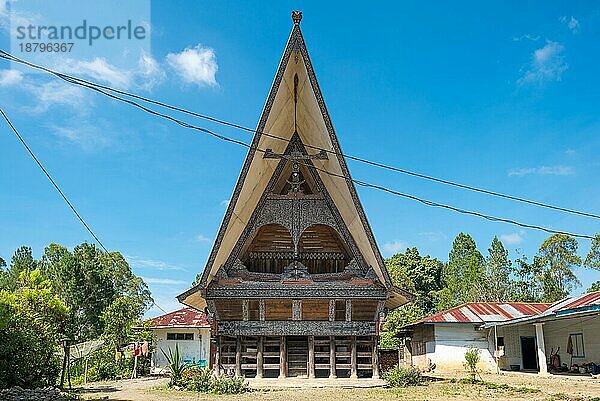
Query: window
(576, 344)
(500, 342)
(180, 336)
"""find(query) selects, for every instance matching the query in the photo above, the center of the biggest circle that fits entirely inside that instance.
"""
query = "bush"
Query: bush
(229, 385)
(471, 361)
(204, 380)
(403, 377)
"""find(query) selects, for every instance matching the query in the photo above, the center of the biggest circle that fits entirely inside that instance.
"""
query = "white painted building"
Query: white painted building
(443, 338)
(568, 327)
(189, 330)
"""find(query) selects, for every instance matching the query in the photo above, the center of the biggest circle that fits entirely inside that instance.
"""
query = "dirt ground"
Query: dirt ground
(521, 387)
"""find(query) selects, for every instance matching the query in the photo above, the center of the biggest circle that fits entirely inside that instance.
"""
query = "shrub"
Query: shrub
(229, 385)
(176, 366)
(204, 380)
(198, 379)
(471, 361)
(403, 377)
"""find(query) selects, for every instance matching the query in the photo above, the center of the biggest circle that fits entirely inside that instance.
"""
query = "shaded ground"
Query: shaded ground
(520, 387)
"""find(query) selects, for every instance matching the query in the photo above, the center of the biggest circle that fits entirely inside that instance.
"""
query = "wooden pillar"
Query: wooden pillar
(282, 358)
(238, 356)
(218, 356)
(259, 357)
(311, 357)
(353, 361)
(332, 371)
(375, 359)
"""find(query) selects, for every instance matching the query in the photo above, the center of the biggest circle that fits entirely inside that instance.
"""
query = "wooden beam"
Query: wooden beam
(245, 309)
(311, 357)
(332, 371)
(353, 361)
(238, 356)
(282, 358)
(218, 356)
(261, 310)
(259, 357)
(375, 359)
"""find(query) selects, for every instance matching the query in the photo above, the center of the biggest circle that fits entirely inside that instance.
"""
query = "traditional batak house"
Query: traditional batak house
(295, 284)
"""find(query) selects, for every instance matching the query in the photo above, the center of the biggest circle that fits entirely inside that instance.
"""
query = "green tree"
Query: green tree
(558, 258)
(31, 325)
(595, 287)
(529, 280)
(499, 286)
(120, 317)
(592, 260)
(89, 281)
(419, 274)
(463, 275)
(397, 318)
(22, 260)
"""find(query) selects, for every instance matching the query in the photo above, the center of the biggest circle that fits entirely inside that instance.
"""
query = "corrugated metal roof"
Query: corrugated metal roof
(483, 312)
(186, 317)
(579, 302)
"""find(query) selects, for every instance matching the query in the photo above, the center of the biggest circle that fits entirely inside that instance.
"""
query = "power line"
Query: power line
(357, 182)
(62, 194)
(89, 84)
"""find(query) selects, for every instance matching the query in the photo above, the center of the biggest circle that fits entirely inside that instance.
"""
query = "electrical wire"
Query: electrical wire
(62, 194)
(82, 82)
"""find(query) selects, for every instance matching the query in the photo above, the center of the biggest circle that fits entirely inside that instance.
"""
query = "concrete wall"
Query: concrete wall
(445, 345)
(556, 334)
(512, 344)
(192, 351)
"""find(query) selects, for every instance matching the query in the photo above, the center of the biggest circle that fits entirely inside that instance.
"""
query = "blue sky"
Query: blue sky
(495, 94)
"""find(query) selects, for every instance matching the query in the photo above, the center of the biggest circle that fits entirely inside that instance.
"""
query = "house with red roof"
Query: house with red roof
(186, 328)
(440, 341)
(563, 338)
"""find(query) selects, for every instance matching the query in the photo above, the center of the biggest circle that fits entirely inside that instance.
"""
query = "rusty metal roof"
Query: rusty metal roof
(583, 301)
(186, 317)
(484, 312)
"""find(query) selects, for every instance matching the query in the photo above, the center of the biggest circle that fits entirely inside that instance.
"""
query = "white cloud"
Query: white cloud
(10, 77)
(533, 38)
(225, 202)
(163, 281)
(433, 235)
(395, 246)
(153, 264)
(547, 64)
(571, 23)
(150, 71)
(99, 69)
(57, 93)
(202, 238)
(513, 238)
(542, 170)
(197, 65)
(87, 136)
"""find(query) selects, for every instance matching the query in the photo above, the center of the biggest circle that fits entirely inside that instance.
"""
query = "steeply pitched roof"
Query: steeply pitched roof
(315, 128)
(186, 317)
(484, 312)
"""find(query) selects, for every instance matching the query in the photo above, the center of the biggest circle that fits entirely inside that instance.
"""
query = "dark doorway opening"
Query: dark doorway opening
(529, 353)
(297, 355)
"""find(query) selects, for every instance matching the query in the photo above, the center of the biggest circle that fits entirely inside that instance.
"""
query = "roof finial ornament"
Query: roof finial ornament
(297, 16)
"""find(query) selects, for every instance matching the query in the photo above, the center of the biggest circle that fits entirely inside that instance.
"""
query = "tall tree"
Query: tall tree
(592, 260)
(498, 282)
(595, 287)
(22, 260)
(89, 281)
(529, 280)
(463, 275)
(558, 257)
(419, 274)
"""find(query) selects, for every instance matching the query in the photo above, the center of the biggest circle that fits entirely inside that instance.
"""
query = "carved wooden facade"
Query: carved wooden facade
(295, 284)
